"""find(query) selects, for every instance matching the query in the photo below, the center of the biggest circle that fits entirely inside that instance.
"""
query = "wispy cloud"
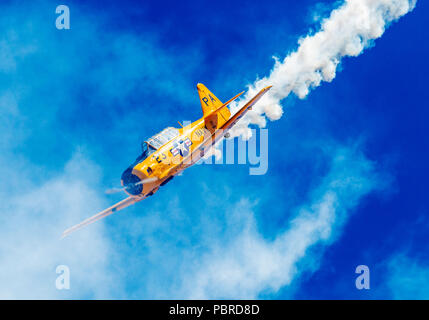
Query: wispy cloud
(52, 84)
(248, 265)
(408, 278)
(31, 221)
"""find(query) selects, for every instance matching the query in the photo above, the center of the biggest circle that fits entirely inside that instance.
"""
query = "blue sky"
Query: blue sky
(347, 165)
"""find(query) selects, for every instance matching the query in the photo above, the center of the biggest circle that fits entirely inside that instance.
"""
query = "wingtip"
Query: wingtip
(66, 233)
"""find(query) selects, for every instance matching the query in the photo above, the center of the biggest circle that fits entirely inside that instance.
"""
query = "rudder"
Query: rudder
(215, 112)
(209, 102)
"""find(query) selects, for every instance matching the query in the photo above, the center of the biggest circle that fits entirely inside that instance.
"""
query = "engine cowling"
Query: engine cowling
(129, 181)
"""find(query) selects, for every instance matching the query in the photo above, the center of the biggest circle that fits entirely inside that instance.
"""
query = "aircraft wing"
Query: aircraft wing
(240, 113)
(116, 207)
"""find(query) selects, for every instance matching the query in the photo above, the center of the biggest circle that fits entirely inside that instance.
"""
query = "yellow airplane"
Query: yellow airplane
(171, 151)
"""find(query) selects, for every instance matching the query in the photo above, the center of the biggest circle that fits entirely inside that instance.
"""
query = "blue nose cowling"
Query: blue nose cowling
(129, 180)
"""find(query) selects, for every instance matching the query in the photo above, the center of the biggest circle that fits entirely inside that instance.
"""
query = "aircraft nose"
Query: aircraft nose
(130, 180)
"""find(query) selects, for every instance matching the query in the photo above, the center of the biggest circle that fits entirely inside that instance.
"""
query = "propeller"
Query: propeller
(116, 190)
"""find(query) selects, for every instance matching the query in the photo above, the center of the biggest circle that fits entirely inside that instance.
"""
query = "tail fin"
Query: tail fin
(216, 113)
(209, 102)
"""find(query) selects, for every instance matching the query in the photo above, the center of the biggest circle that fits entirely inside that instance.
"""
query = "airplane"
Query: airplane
(172, 150)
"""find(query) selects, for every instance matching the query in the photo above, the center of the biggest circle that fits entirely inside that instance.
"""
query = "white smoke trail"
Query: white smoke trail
(346, 32)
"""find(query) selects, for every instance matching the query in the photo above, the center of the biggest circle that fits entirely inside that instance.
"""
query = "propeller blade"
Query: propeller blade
(149, 180)
(114, 190)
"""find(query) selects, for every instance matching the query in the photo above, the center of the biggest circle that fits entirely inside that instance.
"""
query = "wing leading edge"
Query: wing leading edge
(116, 207)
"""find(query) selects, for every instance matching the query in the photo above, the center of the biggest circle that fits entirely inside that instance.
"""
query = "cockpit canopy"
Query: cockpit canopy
(157, 141)
(163, 137)
(147, 150)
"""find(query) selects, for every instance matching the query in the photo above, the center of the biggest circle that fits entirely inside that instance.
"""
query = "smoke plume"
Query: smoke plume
(345, 33)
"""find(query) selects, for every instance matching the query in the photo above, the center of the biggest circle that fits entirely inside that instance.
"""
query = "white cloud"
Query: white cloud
(246, 265)
(31, 223)
(408, 278)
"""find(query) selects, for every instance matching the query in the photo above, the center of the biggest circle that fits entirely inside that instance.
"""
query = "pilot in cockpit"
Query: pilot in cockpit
(147, 150)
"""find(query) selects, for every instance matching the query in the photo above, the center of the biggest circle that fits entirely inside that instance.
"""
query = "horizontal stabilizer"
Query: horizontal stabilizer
(240, 113)
(224, 105)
